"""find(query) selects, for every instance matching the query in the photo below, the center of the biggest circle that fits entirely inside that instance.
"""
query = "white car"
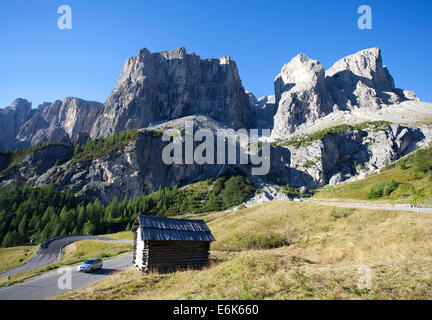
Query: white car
(90, 265)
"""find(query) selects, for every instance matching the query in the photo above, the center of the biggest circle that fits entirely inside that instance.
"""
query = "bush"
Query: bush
(308, 164)
(340, 213)
(260, 241)
(293, 192)
(383, 189)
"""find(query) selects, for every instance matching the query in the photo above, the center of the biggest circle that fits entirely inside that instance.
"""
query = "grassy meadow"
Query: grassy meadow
(286, 250)
(15, 256)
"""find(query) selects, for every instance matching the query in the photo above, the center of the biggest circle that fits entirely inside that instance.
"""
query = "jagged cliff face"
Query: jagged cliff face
(34, 164)
(305, 93)
(65, 121)
(168, 85)
(155, 90)
(139, 169)
(11, 120)
(301, 95)
(158, 87)
(338, 157)
(361, 80)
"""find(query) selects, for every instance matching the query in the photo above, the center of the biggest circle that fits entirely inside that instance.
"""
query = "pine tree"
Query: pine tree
(88, 228)
(128, 227)
(22, 227)
(82, 216)
(45, 234)
(48, 215)
(10, 239)
(56, 230)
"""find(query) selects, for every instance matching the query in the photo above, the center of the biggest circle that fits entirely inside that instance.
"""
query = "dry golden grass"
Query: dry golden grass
(82, 250)
(123, 235)
(15, 256)
(303, 252)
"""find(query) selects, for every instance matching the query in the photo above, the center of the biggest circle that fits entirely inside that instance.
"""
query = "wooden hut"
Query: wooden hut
(165, 244)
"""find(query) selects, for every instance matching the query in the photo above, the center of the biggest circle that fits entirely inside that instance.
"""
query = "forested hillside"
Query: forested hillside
(45, 212)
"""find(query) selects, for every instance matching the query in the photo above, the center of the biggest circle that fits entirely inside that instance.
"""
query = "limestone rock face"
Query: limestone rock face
(135, 170)
(301, 95)
(339, 157)
(138, 168)
(11, 120)
(361, 80)
(156, 91)
(365, 66)
(155, 87)
(36, 164)
(263, 110)
(305, 93)
(61, 121)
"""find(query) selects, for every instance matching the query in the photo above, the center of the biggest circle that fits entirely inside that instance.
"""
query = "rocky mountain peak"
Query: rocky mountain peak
(302, 72)
(21, 105)
(63, 121)
(365, 66)
(178, 53)
(166, 85)
(301, 95)
(305, 93)
(162, 86)
(11, 120)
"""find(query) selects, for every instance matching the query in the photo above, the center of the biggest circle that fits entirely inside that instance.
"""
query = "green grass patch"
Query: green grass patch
(409, 180)
(338, 213)
(94, 149)
(298, 141)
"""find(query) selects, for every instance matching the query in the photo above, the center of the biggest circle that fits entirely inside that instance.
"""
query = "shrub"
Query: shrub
(383, 189)
(341, 213)
(308, 164)
(267, 240)
(294, 192)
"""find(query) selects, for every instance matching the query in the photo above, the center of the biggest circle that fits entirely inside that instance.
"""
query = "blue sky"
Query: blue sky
(39, 62)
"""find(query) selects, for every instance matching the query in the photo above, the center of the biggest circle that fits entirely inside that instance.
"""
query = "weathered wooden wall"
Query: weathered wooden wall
(170, 255)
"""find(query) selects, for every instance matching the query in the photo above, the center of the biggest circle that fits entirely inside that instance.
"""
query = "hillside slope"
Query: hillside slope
(281, 250)
(408, 180)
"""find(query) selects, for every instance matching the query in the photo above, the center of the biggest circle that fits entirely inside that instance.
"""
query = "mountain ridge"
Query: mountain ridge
(162, 86)
(160, 90)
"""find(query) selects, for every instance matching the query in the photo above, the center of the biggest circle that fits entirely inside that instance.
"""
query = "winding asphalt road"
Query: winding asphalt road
(51, 251)
(47, 285)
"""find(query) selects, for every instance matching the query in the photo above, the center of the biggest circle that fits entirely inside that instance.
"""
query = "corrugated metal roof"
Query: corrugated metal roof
(159, 228)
